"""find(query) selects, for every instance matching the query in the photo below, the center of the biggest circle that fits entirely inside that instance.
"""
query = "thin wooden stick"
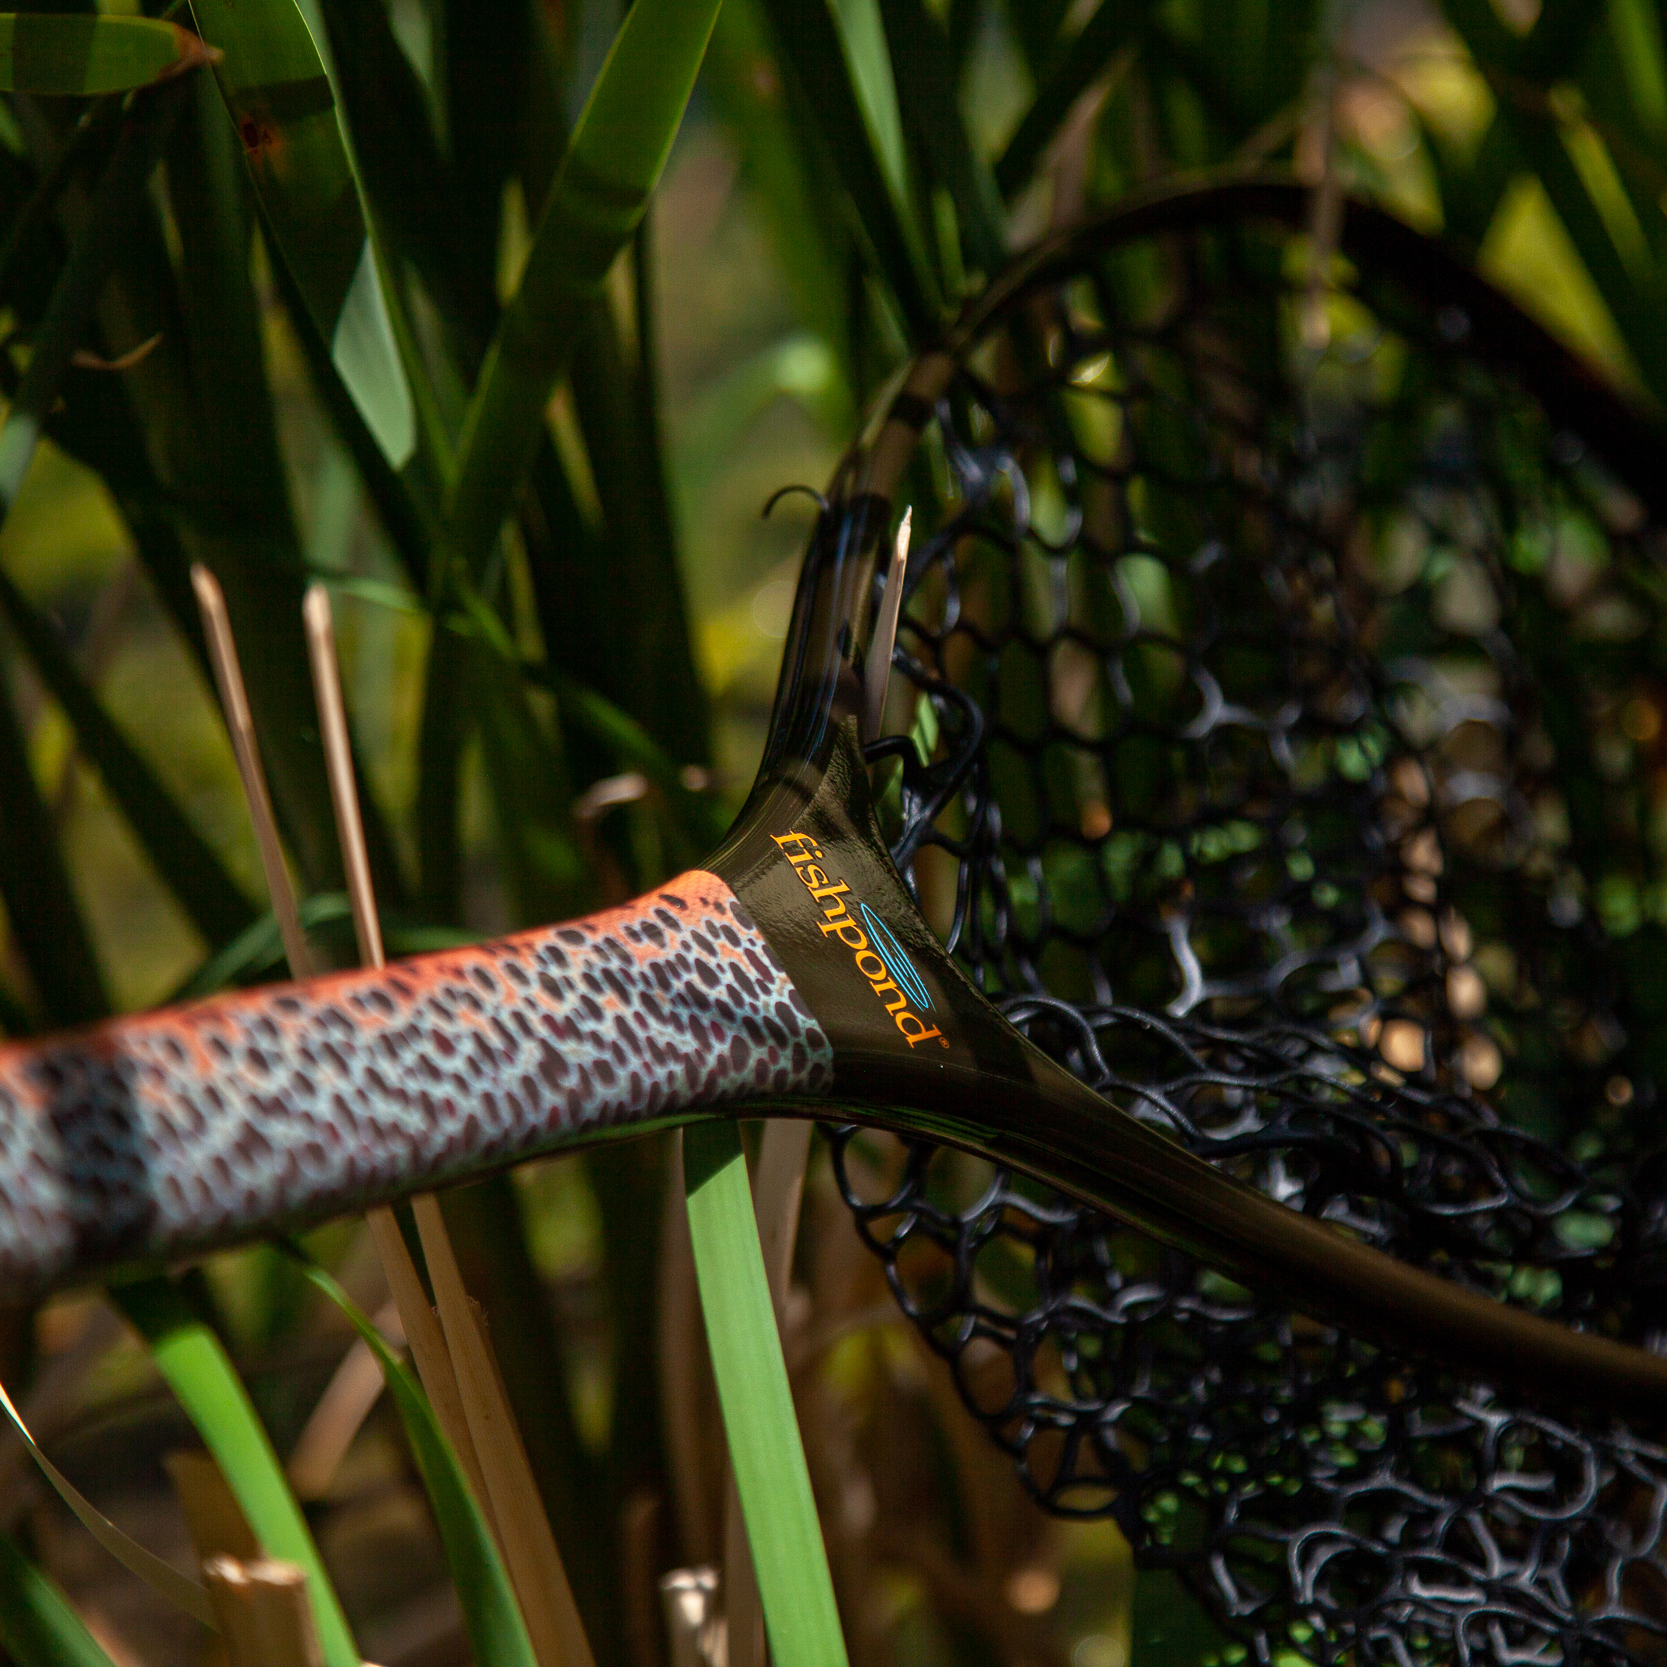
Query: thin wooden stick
(743, 1605)
(529, 1548)
(690, 1600)
(422, 1327)
(213, 1517)
(240, 724)
(265, 1618)
(338, 762)
(777, 1191)
(422, 1330)
(877, 677)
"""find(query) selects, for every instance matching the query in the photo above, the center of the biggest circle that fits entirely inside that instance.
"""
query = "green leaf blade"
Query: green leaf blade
(497, 1633)
(1088, 56)
(274, 84)
(183, 859)
(84, 56)
(771, 1476)
(37, 1625)
(617, 154)
(204, 1381)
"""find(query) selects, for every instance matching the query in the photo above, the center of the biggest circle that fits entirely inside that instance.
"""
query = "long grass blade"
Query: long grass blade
(811, 49)
(159, 1576)
(497, 1634)
(529, 1547)
(491, 1439)
(1634, 294)
(403, 169)
(240, 725)
(207, 1386)
(115, 207)
(525, 768)
(186, 862)
(422, 1329)
(90, 137)
(778, 1188)
(862, 36)
(781, 160)
(45, 918)
(408, 511)
(506, 126)
(928, 93)
(84, 55)
(650, 672)
(1089, 55)
(210, 400)
(38, 1627)
(613, 163)
(274, 84)
(770, 1472)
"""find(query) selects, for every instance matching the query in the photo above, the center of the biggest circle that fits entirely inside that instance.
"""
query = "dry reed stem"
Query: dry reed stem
(213, 1517)
(108, 1636)
(694, 1629)
(428, 1348)
(640, 1520)
(338, 763)
(50, 1400)
(265, 1618)
(353, 1389)
(422, 1329)
(524, 1536)
(529, 1548)
(240, 724)
(778, 1189)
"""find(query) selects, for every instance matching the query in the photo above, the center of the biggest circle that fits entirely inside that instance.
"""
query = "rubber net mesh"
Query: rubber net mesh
(1286, 752)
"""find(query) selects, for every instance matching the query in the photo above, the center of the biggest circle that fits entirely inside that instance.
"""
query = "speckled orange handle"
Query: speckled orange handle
(179, 1131)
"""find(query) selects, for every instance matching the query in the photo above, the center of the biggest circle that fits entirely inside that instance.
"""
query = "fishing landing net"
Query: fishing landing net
(1286, 754)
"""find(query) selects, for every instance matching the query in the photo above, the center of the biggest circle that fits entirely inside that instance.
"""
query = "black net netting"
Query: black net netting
(1287, 755)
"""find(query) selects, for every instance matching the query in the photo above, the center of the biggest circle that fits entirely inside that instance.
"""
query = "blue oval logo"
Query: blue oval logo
(897, 963)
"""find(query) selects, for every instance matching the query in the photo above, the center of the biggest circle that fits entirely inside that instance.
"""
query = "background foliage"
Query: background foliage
(560, 618)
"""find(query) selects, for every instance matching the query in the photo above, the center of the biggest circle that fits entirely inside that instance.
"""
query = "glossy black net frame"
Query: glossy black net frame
(1279, 739)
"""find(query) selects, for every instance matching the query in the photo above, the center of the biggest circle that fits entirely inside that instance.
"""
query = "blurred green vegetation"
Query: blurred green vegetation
(589, 593)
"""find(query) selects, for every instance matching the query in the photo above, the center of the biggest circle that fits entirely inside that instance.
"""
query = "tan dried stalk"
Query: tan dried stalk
(422, 1330)
(265, 1618)
(529, 1548)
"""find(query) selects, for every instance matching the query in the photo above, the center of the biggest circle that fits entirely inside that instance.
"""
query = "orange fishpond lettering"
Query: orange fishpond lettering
(879, 957)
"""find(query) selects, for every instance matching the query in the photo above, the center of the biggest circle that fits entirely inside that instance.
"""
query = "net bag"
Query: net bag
(1278, 735)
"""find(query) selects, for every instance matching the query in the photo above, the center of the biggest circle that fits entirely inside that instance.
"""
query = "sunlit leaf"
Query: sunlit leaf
(813, 50)
(770, 1471)
(616, 156)
(280, 100)
(929, 96)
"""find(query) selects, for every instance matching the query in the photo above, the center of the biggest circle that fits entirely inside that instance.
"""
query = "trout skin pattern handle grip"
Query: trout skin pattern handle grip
(176, 1132)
